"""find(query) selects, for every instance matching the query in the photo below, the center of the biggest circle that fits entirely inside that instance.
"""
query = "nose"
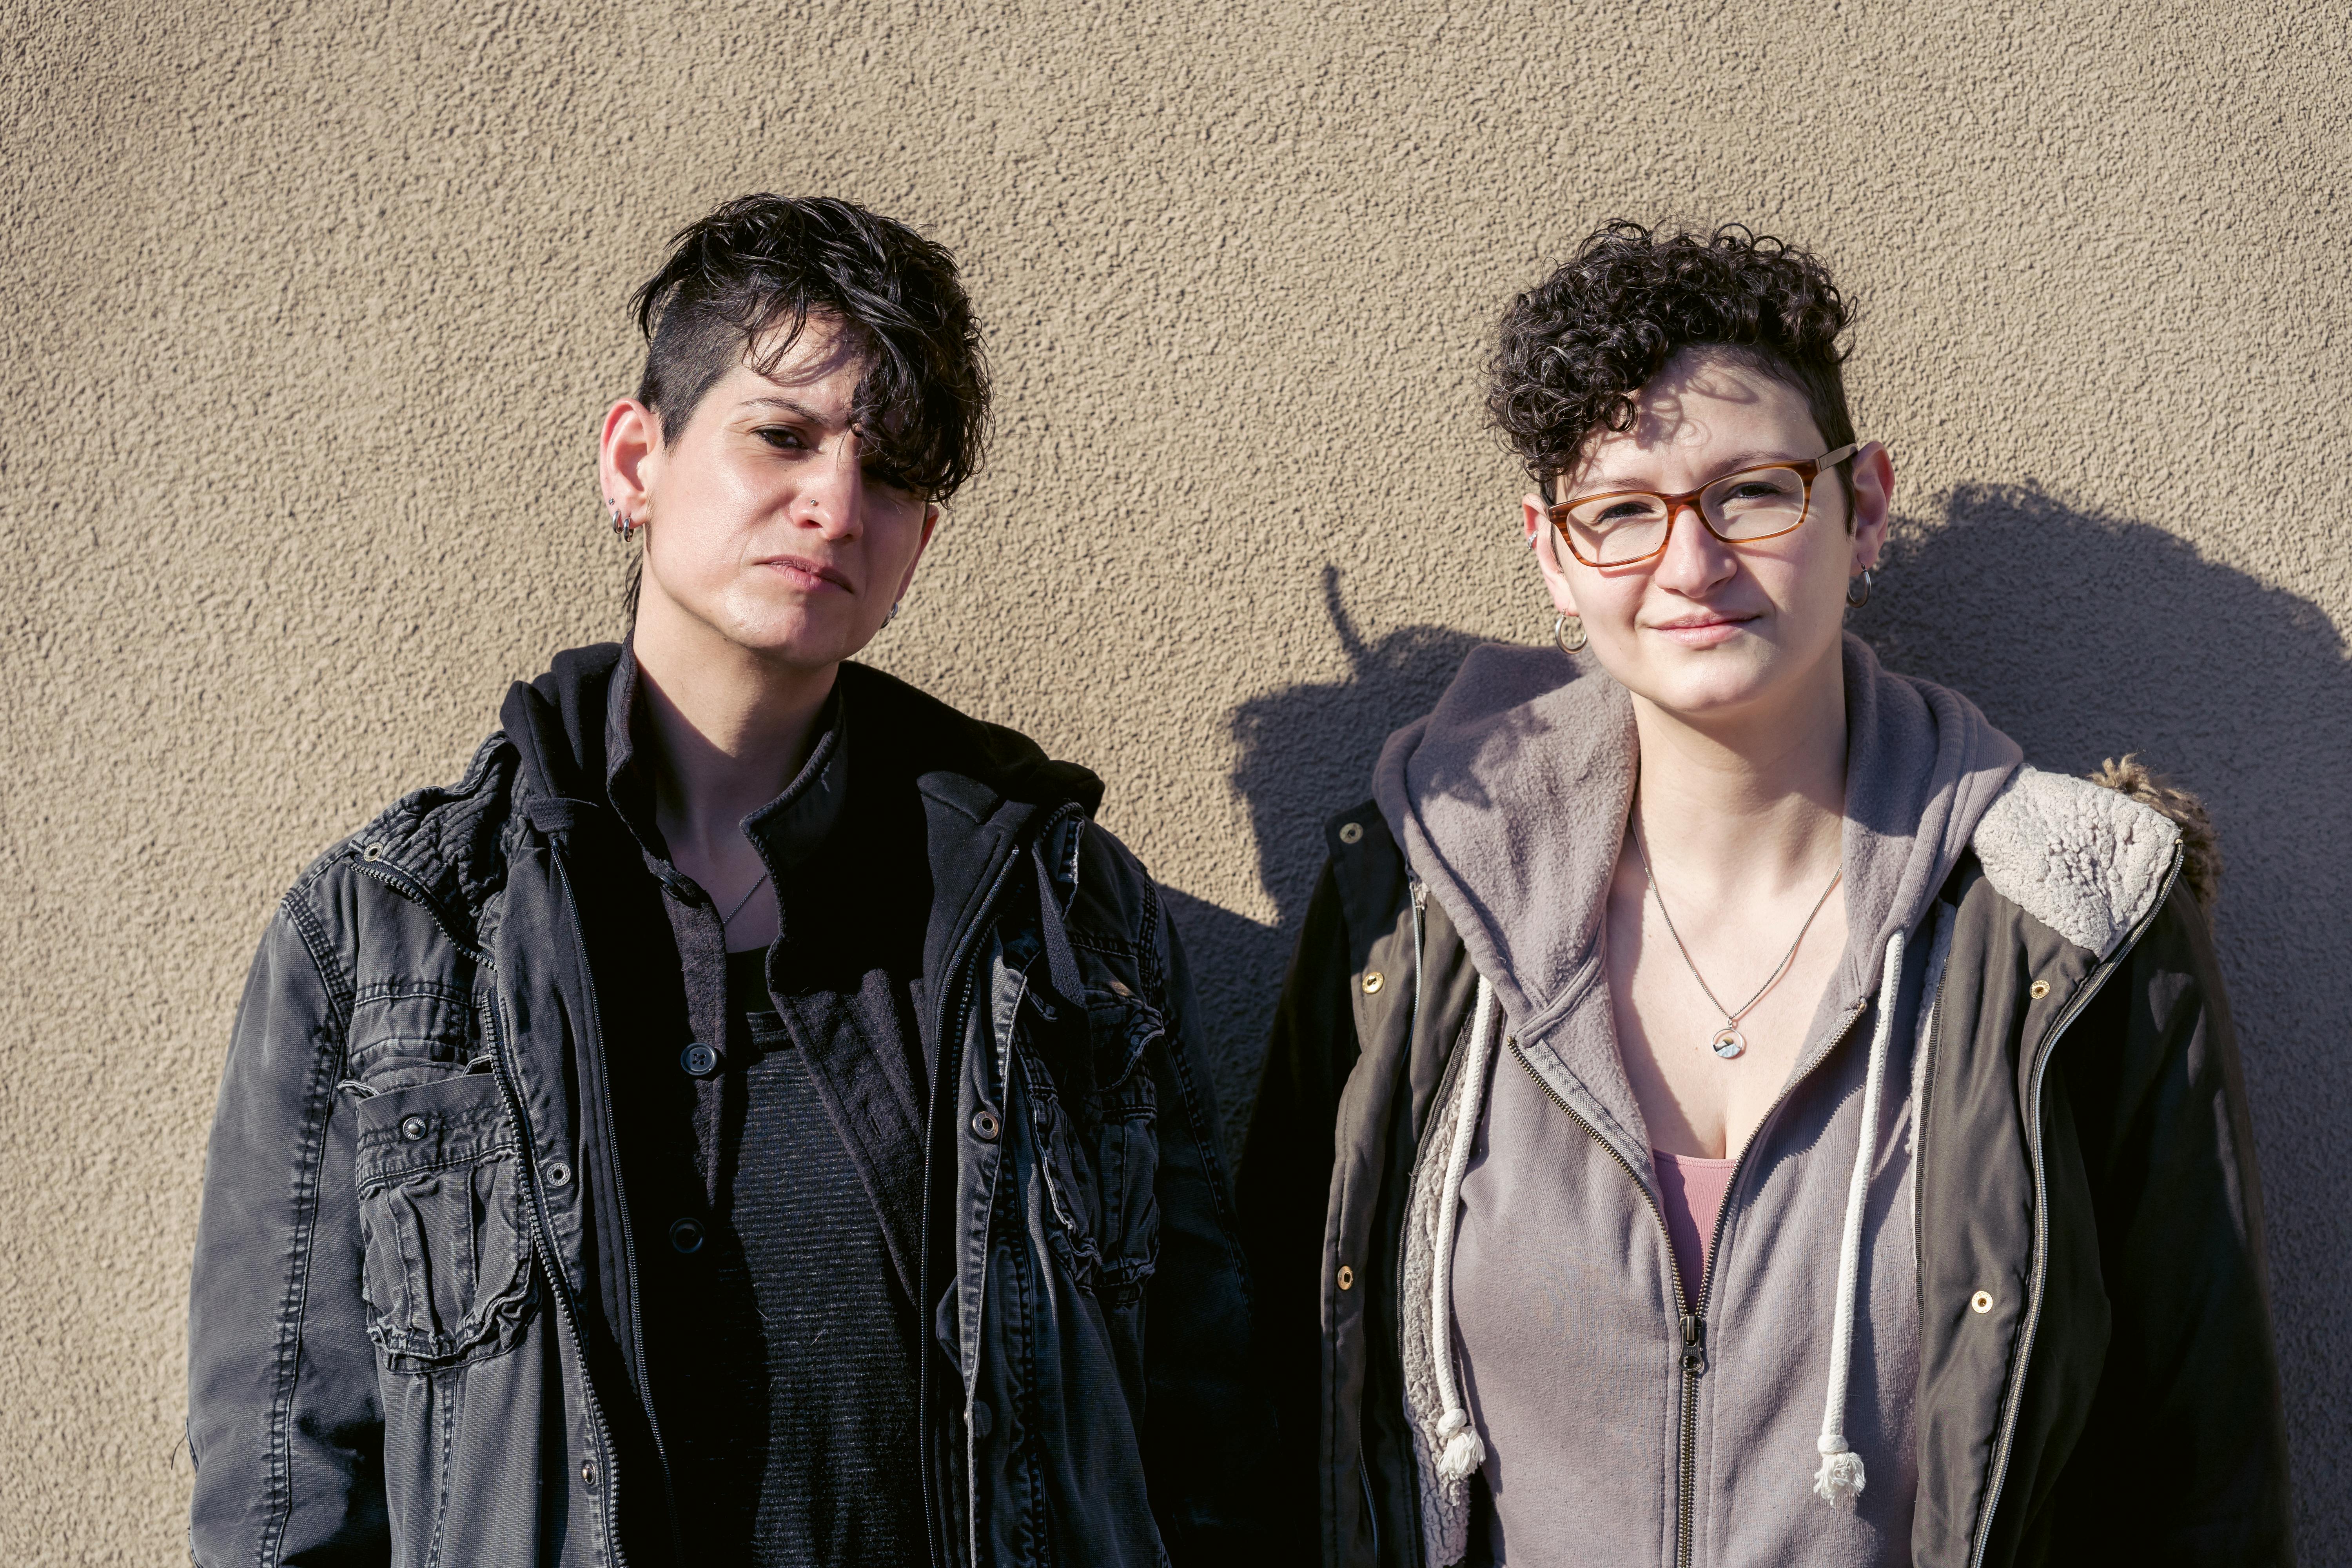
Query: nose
(1693, 560)
(833, 497)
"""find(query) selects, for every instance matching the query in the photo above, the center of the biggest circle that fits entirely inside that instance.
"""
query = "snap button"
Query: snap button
(699, 1059)
(983, 1419)
(559, 1175)
(1347, 1277)
(2038, 990)
(1980, 1302)
(588, 1474)
(1351, 833)
(412, 1128)
(1372, 982)
(686, 1235)
(1119, 988)
(985, 1126)
(372, 852)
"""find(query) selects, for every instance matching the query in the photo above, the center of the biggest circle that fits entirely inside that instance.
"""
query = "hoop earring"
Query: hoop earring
(1864, 580)
(1568, 632)
(624, 526)
(894, 611)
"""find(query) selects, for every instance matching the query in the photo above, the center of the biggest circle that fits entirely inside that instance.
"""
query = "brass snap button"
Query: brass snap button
(1351, 833)
(559, 1175)
(1119, 988)
(985, 1126)
(588, 1474)
(1980, 1302)
(1346, 1277)
(1372, 983)
(412, 1128)
(2038, 990)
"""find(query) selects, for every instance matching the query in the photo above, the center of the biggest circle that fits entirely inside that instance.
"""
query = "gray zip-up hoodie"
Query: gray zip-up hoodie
(1612, 1418)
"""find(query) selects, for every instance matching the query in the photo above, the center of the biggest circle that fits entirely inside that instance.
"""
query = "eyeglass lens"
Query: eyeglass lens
(1612, 530)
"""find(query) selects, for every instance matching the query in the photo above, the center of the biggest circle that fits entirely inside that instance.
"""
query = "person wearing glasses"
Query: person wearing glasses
(756, 1116)
(1726, 1106)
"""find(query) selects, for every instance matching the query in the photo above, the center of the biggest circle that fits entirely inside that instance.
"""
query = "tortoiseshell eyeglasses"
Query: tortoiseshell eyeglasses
(1626, 528)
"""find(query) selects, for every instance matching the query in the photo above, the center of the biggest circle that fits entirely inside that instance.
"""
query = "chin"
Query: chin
(1695, 685)
(799, 640)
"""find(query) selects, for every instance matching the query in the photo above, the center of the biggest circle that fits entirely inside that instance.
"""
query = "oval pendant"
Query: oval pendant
(1729, 1043)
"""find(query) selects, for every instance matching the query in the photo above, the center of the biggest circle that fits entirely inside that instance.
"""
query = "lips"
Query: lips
(1701, 631)
(812, 574)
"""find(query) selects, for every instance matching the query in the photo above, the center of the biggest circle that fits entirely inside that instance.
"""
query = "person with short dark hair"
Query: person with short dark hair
(1725, 1107)
(755, 1115)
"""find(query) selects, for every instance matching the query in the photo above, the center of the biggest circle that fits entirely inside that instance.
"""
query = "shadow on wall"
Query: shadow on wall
(2084, 636)
(1304, 752)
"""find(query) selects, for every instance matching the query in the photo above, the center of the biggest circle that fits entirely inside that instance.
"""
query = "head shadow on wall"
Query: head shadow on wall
(1301, 754)
(2084, 636)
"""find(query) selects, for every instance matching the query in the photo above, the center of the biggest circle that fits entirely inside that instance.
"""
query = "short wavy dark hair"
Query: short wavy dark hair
(745, 281)
(1576, 349)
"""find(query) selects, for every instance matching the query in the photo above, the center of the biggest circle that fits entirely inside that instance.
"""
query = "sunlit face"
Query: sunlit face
(1710, 629)
(765, 523)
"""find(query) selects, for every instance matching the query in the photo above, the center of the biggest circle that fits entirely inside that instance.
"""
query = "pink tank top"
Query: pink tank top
(1692, 1190)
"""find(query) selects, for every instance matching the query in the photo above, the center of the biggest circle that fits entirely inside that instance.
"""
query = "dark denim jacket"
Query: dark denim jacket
(396, 1312)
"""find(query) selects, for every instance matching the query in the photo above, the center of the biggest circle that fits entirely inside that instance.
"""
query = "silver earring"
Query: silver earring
(894, 612)
(1864, 598)
(1569, 633)
(624, 526)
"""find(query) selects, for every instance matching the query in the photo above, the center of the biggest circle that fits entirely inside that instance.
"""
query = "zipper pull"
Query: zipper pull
(1693, 1343)
(1420, 896)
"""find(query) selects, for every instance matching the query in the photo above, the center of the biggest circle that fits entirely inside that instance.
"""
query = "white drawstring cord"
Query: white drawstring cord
(1463, 1452)
(1840, 1479)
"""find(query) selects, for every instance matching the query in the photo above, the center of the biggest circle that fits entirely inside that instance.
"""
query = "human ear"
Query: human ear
(628, 456)
(1545, 540)
(932, 513)
(1873, 503)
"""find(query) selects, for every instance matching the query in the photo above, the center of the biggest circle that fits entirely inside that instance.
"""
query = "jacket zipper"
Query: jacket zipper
(1420, 894)
(621, 1200)
(953, 1004)
(2042, 1212)
(566, 1308)
(1692, 1322)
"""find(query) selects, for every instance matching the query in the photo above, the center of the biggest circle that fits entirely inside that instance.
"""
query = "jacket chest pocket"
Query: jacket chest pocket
(1097, 1144)
(447, 1265)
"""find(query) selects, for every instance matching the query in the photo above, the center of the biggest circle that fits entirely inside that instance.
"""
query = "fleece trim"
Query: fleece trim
(2084, 859)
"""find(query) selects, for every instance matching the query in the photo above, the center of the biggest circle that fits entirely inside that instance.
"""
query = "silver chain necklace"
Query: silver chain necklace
(1728, 1041)
(728, 918)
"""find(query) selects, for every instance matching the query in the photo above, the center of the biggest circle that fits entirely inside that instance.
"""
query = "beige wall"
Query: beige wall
(312, 310)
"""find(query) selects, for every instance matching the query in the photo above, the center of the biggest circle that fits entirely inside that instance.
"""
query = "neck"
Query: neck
(1728, 801)
(730, 730)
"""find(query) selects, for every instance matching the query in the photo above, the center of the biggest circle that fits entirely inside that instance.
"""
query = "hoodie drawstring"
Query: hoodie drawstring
(1463, 1452)
(1840, 1479)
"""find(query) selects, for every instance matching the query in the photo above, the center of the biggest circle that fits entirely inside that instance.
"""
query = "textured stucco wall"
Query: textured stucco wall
(312, 310)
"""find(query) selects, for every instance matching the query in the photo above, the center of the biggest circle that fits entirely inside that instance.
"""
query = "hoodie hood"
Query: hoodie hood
(1510, 800)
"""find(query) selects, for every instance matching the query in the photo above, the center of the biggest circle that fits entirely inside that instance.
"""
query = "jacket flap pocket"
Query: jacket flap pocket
(453, 1120)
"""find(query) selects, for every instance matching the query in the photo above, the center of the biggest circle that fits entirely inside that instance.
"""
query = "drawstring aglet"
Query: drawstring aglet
(1838, 1480)
(1464, 1453)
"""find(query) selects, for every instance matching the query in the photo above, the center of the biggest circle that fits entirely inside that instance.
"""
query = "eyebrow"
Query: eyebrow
(787, 404)
(1595, 484)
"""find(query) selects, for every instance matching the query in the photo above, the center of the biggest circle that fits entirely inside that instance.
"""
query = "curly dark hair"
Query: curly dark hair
(1576, 348)
(746, 279)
